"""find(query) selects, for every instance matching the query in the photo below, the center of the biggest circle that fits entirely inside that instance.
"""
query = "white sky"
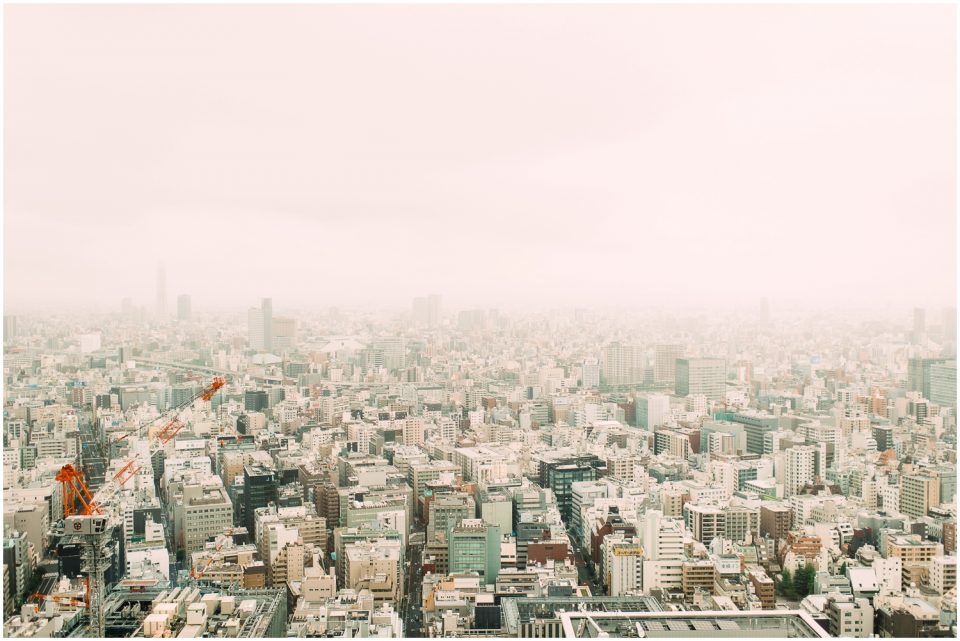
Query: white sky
(628, 155)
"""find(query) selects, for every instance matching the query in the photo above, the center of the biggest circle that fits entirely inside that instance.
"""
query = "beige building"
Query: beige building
(375, 566)
(916, 556)
(918, 493)
(202, 510)
(943, 573)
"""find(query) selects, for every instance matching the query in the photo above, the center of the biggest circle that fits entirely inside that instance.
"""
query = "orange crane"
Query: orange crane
(94, 530)
(193, 571)
(59, 599)
(175, 425)
(72, 481)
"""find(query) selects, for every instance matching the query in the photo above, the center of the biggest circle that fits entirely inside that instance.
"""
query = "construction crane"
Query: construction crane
(60, 599)
(197, 575)
(90, 523)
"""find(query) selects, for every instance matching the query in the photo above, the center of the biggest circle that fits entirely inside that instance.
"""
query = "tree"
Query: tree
(803, 582)
(786, 584)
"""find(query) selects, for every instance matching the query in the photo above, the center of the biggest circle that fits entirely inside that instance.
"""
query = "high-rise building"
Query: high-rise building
(919, 324)
(918, 493)
(622, 364)
(918, 374)
(665, 364)
(419, 314)
(9, 328)
(705, 376)
(799, 469)
(949, 325)
(943, 384)
(255, 328)
(652, 410)
(559, 473)
(260, 326)
(259, 490)
(663, 547)
(591, 374)
(433, 311)
(474, 546)
(284, 333)
(267, 308)
(161, 290)
(184, 310)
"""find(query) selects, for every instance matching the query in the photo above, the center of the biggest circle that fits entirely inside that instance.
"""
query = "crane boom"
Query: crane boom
(135, 463)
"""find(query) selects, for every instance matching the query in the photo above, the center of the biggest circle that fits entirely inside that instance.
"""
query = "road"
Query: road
(411, 608)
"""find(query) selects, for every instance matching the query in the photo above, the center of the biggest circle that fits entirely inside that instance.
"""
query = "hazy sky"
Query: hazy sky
(365, 154)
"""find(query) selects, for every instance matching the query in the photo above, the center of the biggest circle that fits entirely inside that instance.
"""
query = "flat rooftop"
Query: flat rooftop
(783, 624)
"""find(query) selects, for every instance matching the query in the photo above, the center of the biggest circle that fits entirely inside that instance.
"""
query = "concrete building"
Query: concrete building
(705, 376)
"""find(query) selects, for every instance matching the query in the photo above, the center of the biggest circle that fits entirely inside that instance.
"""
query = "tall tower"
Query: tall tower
(919, 324)
(184, 310)
(267, 308)
(161, 290)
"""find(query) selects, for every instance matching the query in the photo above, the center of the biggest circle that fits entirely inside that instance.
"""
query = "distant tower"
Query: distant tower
(919, 324)
(161, 290)
(950, 324)
(433, 311)
(267, 309)
(764, 310)
(184, 307)
(9, 328)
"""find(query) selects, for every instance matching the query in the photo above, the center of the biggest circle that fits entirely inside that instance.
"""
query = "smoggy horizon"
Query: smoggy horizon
(649, 157)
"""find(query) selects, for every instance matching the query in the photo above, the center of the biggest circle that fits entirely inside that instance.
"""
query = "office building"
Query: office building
(652, 410)
(622, 364)
(919, 324)
(260, 326)
(665, 362)
(918, 374)
(474, 546)
(705, 376)
(161, 291)
(799, 469)
(375, 565)
(918, 493)
(9, 328)
(943, 384)
(259, 490)
(184, 309)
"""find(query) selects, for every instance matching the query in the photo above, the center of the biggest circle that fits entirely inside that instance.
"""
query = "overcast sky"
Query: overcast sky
(628, 155)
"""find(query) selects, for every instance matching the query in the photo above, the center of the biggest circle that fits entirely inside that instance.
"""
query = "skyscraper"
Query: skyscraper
(949, 329)
(184, 310)
(918, 374)
(799, 469)
(433, 311)
(255, 328)
(943, 384)
(919, 324)
(665, 365)
(161, 290)
(705, 376)
(9, 328)
(259, 489)
(267, 308)
(622, 364)
(419, 315)
(260, 326)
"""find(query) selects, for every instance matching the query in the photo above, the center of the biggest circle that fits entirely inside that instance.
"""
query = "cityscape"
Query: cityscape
(481, 321)
(478, 473)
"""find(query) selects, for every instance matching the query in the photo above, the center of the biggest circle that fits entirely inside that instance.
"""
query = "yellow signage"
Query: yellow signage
(627, 551)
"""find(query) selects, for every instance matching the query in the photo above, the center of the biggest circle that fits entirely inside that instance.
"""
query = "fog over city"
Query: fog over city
(620, 156)
(487, 322)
